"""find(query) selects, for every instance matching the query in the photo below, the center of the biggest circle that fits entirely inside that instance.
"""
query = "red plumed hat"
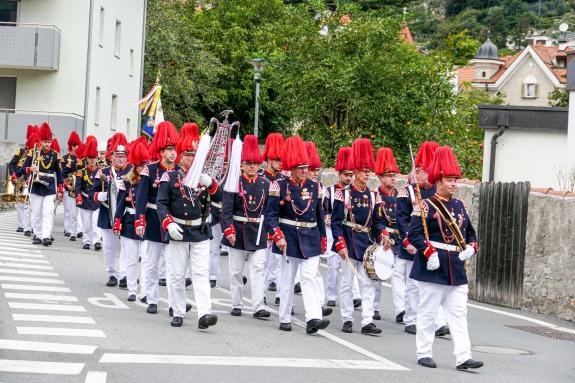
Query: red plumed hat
(187, 145)
(274, 147)
(32, 141)
(251, 149)
(385, 162)
(74, 139)
(343, 161)
(139, 153)
(119, 144)
(362, 154)
(190, 128)
(143, 140)
(444, 165)
(312, 155)
(29, 131)
(166, 135)
(82, 149)
(91, 149)
(294, 153)
(45, 132)
(55, 145)
(425, 153)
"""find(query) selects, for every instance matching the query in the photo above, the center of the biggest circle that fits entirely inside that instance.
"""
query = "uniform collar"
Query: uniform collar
(294, 182)
(354, 187)
(338, 185)
(384, 192)
(267, 171)
(246, 179)
(122, 168)
(92, 167)
(442, 199)
(165, 167)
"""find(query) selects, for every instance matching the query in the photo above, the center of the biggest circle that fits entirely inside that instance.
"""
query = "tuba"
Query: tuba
(9, 194)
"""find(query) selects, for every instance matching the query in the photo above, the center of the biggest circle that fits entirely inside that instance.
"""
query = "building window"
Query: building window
(101, 31)
(530, 87)
(483, 74)
(114, 112)
(128, 128)
(131, 63)
(8, 11)
(118, 38)
(97, 108)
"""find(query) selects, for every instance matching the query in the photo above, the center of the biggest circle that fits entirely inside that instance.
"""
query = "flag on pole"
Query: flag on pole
(151, 108)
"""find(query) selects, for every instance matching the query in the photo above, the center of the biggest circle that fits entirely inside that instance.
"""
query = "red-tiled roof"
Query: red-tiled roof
(547, 54)
(464, 74)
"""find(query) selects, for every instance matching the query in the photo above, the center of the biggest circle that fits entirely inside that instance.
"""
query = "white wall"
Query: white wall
(526, 156)
(112, 74)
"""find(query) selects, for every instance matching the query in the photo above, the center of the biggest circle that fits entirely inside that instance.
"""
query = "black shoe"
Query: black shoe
(331, 303)
(207, 321)
(277, 301)
(326, 311)
(356, 303)
(411, 329)
(212, 283)
(171, 310)
(399, 317)
(28, 233)
(297, 288)
(152, 308)
(316, 324)
(265, 301)
(86, 247)
(144, 299)
(51, 239)
(188, 281)
(443, 330)
(272, 286)
(285, 326)
(162, 281)
(80, 235)
(292, 311)
(236, 311)
(46, 242)
(347, 327)
(245, 280)
(66, 234)
(376, 315)
(177, 322)
(73, 238)
(112, 282)
(37, 241)
(427, 362)
(131, 297)
(19, 230)
(123, 283)
(98, 246)
(470, 363)
(223, 253)
(370, 329)
(260, 314)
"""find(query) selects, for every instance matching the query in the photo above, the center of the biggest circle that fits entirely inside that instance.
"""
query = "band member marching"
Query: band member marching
(85, 180)
(71, 163)
(386, 170)
(184, 215)
(46, 184)
(244, 233)
(443, 234)
(125, 216)
(354, 209)
(295, 219)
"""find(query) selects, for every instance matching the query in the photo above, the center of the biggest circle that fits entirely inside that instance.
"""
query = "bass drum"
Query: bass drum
(378, 263)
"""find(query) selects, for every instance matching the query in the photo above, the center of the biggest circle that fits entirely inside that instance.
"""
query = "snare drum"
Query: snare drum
(378, 263)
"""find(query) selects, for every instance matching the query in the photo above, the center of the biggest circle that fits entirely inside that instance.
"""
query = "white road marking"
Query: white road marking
(26, 260)
(29, 272)
(43, 297)
(9, 278)
(42, 306)
(65, 348)
(56, 289)
(25, 266)
(29, 254)
(248, 361)
(52, 318)
(39, 367)
(60, 331)
(17, 245)
(96, 377)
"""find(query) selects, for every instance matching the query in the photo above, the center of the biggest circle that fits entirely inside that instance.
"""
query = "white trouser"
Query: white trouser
(131, 249)
(256, 261)
(162, 266)
(311, 299)
(27, 218)
(109, 247)
(453, 300)
(142, 256)
(79, 222)
(21, 211)
(399, 280)
(367, 288)
(272, 267)
(215, 243)
(151, 259)
(333, 266)
(42, 216)
(92, 232)
(179, 254)
(319, 285)
(412, 301)
(70, 214)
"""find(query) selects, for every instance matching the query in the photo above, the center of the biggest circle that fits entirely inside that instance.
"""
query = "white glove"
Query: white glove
(175, 231)
(467, 253)
(205, 180)
(433, 261)
(103, 196)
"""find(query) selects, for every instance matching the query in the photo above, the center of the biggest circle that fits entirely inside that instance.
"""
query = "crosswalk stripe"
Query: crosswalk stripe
(52, 318)
(43, 297)
(28, 272)
(54, 289)
(96, 377)
(65, 348)
(40, 367)
(58, 331)
(18, 246)
(9, 278)
(28, 254)
(43, 306)
(26, 260)
(25, 266)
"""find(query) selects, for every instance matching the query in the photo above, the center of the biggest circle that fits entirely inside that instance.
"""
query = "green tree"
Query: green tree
(559, 97)
(460, 47)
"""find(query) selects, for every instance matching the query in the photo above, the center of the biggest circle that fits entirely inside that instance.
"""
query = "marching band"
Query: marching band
(137, 204)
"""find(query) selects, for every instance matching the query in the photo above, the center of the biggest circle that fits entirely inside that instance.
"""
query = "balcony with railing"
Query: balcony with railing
(29, 46)
(13, 123)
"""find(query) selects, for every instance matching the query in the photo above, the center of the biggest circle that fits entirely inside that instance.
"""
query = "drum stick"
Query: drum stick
(353, 269)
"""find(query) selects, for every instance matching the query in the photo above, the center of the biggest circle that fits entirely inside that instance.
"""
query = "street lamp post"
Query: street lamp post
(258, 65)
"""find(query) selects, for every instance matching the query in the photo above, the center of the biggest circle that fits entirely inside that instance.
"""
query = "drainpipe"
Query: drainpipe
(502, 123)
(88, 68)
(142, 62)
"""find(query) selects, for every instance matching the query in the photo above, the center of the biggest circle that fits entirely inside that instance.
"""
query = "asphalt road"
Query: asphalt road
(60, 323)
